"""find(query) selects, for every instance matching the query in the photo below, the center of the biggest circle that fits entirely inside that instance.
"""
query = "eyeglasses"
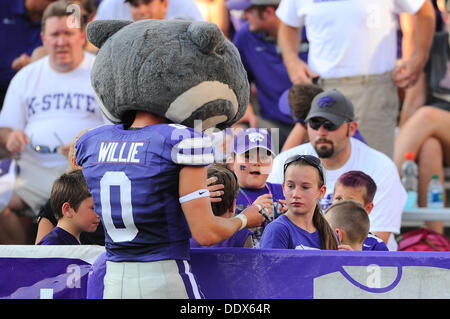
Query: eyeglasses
(44, 149)
(316, 123)
(310, 159)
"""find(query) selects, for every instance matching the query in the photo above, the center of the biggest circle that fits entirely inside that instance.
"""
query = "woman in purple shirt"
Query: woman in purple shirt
(303, 225)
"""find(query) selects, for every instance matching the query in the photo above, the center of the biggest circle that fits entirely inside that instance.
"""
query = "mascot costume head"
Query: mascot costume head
(183, 71)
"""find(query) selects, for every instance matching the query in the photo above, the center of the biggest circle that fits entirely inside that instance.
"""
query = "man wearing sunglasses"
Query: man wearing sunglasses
(330, 125)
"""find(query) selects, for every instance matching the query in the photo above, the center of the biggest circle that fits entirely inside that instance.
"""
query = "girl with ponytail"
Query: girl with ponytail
(303, 226)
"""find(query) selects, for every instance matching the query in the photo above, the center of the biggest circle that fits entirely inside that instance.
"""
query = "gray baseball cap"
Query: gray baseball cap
(333, 106)
(245, 4)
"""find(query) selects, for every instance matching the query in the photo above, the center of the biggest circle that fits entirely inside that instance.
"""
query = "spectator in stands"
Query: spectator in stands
(121, 9)
(419, 94)
(225, 208)
(144, 9)
(46, 220)
(74, 209)
(47, 104)
(303, 225)
(256, 41)
(330, 124)
(359, 187)
(86, 8)
(426, 133)
(296, 102)
(20, 27)
(252, 163)
(346, 39)
(350, 222)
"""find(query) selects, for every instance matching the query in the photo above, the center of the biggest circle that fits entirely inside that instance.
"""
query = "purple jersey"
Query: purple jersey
(237, 240)
(282, 233)
(59, 236)
(133, 177)
(373, 242)
(247, 196)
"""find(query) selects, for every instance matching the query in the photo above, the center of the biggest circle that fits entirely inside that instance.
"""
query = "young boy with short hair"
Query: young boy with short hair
(252, 163)
(360, 187)
(73, 207)
(351, 223)
(226, 207)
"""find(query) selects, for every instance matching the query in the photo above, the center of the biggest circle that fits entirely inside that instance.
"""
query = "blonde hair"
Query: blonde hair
(72, 152)
(351, 217)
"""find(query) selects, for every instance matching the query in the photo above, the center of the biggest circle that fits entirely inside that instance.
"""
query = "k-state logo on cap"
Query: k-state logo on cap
(326, 101)
(255, 137)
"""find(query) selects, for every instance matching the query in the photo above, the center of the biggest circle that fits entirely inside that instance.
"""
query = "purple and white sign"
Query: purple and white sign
(32, 272)
(285, 274)
(45, 272)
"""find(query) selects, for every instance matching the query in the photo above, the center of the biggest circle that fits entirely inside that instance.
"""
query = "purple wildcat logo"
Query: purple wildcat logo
(326, 101)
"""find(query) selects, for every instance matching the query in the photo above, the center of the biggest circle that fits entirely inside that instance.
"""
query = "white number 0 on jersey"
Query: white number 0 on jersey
(130, 230)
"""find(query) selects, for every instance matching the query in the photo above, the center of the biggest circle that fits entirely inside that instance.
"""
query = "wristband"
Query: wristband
(194, 195)
(243, 219)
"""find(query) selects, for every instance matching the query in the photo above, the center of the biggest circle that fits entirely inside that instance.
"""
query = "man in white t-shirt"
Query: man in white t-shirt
(48, 103)
(353, 48)
(330, 124)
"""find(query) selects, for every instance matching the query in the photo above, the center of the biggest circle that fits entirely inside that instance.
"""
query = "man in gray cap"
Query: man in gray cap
(330, 110)
(330, 125)
(256, 41)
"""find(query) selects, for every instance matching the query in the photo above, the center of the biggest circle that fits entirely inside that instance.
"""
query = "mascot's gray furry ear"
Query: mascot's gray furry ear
(99, 31)
(206, 36)
(181, 70)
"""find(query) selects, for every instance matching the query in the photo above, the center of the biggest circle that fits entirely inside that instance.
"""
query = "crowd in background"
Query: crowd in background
(355, 99)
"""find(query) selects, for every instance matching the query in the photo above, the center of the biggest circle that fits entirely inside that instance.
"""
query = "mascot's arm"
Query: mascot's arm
(206, 228)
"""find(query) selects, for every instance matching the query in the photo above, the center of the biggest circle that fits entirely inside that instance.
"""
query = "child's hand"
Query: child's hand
(283, 209)
(214, 190)
(344, 247)
(266, 202)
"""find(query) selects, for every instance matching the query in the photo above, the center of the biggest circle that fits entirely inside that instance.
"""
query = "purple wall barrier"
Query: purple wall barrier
(30, 272)
(33, 272)
(264, 274)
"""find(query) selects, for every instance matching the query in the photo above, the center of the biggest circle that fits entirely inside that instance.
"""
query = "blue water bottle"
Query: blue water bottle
(435, 198)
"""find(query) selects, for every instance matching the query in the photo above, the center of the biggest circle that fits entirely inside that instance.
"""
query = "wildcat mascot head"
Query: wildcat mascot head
(181, 70)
